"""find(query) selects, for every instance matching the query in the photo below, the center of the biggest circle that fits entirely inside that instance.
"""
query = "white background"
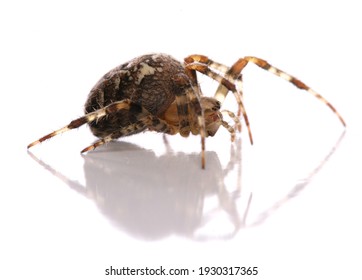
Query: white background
(137, 202)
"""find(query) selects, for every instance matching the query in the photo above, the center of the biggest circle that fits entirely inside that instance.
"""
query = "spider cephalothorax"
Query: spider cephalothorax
(158, 93)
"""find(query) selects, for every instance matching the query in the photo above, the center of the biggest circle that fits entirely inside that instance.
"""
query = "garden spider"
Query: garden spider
(158, 93)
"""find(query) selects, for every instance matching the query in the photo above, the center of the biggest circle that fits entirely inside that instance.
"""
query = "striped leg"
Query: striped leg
(181, 83)
(188, 99)
(151, 122)
(131, 129)
(204, 69)
(232, 72)
(194, 95)
(234, 118)
(112, 108)
(230, 129)
(299, 84)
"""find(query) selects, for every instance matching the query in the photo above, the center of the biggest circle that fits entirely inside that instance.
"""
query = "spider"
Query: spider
(155, 92)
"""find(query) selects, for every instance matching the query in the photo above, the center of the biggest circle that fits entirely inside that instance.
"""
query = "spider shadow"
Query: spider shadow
(151, 197)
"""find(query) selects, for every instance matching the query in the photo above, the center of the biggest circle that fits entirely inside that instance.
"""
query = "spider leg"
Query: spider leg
(228, 73)
(151, 122)
(194, 95)
(204, 69)
(230, 129)
(138, 126)
(233, 73)
(187, 97)
(181, 83)
(112, 108)
(234, 118)
(299, 84)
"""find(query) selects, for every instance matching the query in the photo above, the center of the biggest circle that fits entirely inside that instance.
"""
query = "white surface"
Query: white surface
(138, 203)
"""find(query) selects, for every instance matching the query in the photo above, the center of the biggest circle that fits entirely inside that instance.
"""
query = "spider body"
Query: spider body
(158, 93)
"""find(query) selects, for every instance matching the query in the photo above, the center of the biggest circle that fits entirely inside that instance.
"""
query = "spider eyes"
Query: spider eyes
(209, 103)
(217, 106)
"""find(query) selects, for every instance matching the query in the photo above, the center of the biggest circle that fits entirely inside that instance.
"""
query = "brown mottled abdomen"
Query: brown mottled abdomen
(147, 81)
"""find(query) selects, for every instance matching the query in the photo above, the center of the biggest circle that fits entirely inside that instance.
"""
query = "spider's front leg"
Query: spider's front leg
(233, 74)
(205, 65)
(190, 115)
(293, 80)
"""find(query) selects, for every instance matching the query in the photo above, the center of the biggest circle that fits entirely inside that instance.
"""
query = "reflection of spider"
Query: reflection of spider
(152, 207)
(156, 92)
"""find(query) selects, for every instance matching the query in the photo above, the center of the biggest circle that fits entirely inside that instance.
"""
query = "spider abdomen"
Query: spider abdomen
(147, 81)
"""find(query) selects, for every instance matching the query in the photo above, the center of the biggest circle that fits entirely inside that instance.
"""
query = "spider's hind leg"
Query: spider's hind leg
(149, 121)
(114, 107)
(131, 129)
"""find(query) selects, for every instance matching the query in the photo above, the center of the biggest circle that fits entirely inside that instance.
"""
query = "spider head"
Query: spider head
(212, 114)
